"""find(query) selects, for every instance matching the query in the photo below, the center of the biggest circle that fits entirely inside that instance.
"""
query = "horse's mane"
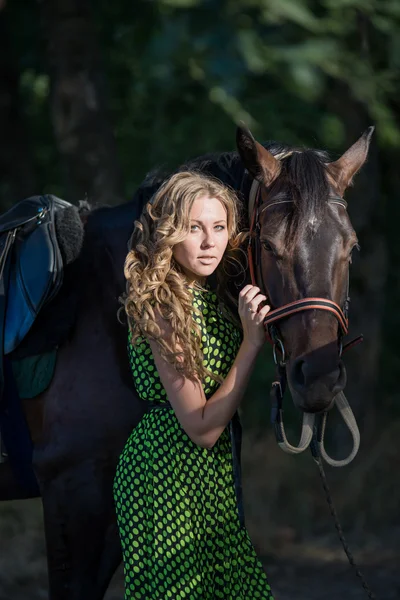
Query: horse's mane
(303, 180)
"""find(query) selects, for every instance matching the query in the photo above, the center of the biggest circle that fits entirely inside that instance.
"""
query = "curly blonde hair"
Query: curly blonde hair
(156, 284)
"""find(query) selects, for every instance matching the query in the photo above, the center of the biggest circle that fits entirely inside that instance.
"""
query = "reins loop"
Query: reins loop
(278, 345)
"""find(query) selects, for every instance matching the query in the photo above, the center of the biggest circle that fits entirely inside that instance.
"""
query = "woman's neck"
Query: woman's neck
(195, 282)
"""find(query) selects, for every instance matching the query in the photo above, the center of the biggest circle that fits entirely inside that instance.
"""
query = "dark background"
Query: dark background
(94, 95)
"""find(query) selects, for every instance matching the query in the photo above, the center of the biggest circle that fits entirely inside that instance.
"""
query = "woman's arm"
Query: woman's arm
(203, 420)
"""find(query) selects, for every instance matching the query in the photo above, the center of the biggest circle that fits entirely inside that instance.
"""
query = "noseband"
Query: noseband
(277, 314)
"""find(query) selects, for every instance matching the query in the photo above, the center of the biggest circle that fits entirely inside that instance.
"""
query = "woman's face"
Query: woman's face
(201, 252)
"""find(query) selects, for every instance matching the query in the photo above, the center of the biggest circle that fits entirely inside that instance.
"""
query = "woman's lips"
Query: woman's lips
(207, 260)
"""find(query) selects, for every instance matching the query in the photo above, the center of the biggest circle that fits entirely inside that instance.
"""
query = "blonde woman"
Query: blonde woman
(177, 487)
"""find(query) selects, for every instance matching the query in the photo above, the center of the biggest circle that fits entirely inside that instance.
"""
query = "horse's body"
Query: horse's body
(91, 406)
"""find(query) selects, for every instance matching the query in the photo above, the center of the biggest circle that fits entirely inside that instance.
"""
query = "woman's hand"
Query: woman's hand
(252, 315)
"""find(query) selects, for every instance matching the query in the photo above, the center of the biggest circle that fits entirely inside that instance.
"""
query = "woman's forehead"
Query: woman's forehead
(207, 208)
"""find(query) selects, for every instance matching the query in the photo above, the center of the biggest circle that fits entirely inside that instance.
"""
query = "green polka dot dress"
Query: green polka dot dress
(179, 521)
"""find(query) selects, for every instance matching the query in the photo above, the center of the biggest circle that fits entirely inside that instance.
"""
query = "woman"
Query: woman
(176, 488)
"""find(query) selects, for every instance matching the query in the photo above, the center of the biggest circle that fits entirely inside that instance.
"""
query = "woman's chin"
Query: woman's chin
(202, 272)
(209, 270)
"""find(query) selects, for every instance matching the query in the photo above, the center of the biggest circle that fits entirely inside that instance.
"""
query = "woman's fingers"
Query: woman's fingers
(253, 310)
(259, 316)
(247, 294)
(262, 313)
(254, 305)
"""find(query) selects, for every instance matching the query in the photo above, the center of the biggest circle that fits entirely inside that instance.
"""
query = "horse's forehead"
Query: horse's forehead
(329, 226)
(328, 229)
(319, 240)
(313, 223)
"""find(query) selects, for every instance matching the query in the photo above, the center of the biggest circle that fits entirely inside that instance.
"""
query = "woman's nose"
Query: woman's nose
(208, 239)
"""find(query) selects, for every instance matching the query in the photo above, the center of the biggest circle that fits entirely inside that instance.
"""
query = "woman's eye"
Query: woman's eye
(217, 227)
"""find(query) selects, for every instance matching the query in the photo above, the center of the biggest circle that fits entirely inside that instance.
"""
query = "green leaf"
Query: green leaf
(290, 10)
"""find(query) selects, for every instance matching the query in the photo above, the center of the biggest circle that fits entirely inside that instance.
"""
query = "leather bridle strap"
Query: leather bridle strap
(253, 209)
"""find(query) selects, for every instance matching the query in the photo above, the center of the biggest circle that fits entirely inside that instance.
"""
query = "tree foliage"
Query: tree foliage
(180, 73)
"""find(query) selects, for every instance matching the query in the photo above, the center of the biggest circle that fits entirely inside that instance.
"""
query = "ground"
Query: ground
(311, 570)
(288, 521)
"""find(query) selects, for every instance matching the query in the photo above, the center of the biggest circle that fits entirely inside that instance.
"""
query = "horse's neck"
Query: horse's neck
(227, 167)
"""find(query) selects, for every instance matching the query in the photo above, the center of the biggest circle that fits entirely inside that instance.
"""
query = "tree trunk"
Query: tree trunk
(81, 123)
(17, 178)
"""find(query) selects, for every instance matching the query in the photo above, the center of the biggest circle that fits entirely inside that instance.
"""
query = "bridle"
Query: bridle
(278, 314)
(274, 317)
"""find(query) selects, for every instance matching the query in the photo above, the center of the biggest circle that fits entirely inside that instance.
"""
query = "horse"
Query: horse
(79, 425)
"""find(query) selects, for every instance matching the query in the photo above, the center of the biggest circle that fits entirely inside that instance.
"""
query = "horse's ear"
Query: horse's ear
(260, 163)
(344, 169)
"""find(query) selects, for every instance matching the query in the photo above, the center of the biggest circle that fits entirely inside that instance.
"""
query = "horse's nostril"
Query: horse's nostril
(341, 379)
(304, 374)
(314, 382)
(299, 372)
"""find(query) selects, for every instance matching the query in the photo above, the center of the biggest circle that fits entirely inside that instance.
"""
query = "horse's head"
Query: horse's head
(305, 245)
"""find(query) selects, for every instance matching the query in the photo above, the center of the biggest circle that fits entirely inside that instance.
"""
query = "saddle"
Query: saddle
(31, 265)
(31, 274)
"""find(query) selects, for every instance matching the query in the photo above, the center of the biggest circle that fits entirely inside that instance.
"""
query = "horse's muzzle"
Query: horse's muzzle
(313, 387)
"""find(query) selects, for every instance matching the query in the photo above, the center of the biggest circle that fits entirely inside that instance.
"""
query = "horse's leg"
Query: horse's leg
(58, 555)
(83, 546)
(91, 530)
(10, 487)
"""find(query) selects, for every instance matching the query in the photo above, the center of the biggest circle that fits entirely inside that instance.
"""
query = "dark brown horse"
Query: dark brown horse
(80, 424)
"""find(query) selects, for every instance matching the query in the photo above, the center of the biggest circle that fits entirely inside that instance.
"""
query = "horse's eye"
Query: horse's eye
(267, 246)
(355, 247)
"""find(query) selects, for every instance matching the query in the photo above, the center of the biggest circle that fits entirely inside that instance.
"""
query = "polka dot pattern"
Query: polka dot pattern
(175, 501)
